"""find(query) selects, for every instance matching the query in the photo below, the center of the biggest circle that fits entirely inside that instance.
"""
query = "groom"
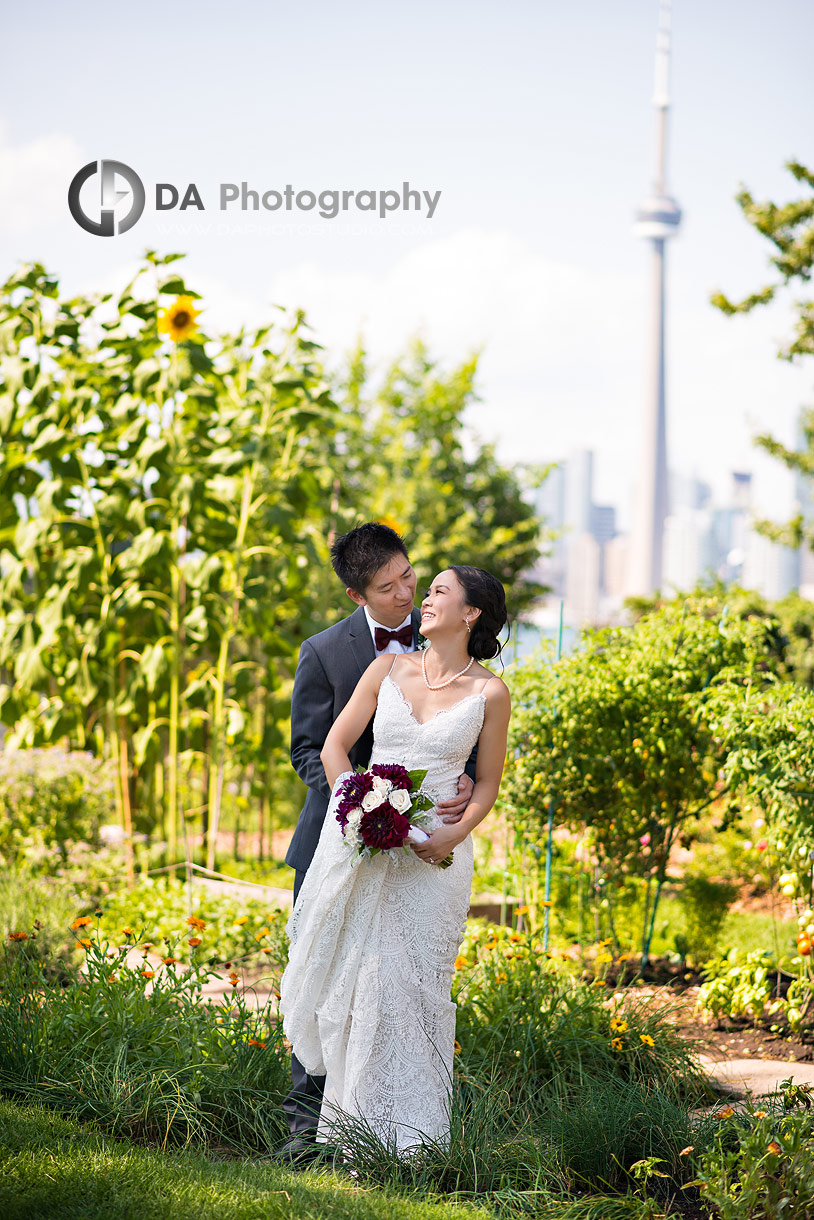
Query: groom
(373, 565)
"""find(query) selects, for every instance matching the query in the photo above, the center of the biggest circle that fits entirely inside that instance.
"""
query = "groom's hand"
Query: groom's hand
(452, 811)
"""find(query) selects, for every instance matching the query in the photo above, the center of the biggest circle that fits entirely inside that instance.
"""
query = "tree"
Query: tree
(624, 738)
(790, 229)
(405, 455)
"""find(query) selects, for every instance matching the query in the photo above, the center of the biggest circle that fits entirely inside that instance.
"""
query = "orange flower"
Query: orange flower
(686, 1151)
(263, 932)
(113, 978)
(234, 979)
(196, 923)
(256, 1042)
(501, 978)
(775, 1148)
(127, 931)
(194, 941)
(82, 922)
(148, 974)
(760, 1113)
(148, 944)
(547, 902)
(617, 1044)
(18, 936)
(457, 1048)
(522, 911)
(460, 962)
(169, 961)
(727, 1112)
(86, 943)
(267, 950)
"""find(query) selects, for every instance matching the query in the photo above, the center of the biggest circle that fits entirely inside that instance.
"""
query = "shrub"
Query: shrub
(760, 1165)
(50, 800)
(133, 1046)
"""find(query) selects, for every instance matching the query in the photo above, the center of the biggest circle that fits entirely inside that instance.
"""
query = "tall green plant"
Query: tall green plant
(157, 493)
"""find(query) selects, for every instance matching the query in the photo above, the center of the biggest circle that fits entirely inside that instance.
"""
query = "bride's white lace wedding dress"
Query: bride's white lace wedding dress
(366, 994)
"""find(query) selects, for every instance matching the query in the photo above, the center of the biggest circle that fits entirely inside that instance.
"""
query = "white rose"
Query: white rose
(372, 800)
(354, 818)
(380, 784)
(400, 799)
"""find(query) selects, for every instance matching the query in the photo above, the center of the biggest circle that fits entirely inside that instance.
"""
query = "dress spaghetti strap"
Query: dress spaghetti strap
(486, 682)
(393, 666)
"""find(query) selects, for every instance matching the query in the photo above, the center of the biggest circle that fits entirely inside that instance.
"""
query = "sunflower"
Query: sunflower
(179, 320)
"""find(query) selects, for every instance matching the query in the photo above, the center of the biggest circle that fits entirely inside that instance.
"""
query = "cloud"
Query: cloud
(34, 179)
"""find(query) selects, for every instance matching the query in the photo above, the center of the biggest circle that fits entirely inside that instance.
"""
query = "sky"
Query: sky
(534, 121)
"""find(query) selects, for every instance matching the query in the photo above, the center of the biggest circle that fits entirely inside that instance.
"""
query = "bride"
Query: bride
(365, 997)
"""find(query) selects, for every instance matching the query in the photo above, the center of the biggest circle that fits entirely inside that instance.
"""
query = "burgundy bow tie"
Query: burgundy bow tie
(404, 635)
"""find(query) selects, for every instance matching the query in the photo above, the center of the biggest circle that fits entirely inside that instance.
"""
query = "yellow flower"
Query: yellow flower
(127, 931)
(617, 1044)
(727, 1112)
(263, 932)
(547, 902)
(599, 983)
(179, 320)
(522, 911)
(392, 524)
(457, 1049)
(241, 919)
(618, 1025)
(624, 957)
(647, 1040)
(501, 978)
(602, 959)
(760, 1113)
(460, 962)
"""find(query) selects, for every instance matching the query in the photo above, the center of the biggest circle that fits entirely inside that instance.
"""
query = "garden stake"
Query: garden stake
(547, 908)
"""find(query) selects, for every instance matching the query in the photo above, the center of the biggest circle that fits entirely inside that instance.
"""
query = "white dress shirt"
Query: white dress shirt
(393, 646)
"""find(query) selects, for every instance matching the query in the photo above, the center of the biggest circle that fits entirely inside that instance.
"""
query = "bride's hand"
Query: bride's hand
(439, 845)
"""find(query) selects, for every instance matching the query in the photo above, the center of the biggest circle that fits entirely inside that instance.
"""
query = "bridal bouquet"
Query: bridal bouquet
(384, 808)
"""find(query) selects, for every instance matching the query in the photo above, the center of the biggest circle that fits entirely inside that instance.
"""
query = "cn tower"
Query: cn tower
(657, 220)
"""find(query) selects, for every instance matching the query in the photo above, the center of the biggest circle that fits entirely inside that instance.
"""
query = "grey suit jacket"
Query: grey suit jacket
(330, 665)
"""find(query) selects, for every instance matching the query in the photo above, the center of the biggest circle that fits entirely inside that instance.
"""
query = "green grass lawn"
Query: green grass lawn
(53, 1169)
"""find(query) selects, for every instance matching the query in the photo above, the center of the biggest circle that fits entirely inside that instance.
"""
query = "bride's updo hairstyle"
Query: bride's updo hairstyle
(485, 593)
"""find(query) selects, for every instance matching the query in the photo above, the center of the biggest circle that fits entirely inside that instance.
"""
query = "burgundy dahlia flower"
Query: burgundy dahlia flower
(399, 776)
(384, 827)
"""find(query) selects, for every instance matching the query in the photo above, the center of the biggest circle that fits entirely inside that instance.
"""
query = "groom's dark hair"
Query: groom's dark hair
(358, 555)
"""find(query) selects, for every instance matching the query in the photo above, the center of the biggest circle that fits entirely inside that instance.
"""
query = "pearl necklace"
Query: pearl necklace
(449, 681)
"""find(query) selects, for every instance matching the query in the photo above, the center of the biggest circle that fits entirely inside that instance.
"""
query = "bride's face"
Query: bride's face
(444, 607)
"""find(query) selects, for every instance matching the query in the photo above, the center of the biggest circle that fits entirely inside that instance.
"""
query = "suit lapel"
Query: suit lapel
(361, 641)
(416, 626)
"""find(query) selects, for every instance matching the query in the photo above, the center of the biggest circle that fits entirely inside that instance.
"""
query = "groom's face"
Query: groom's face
(391, 593)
